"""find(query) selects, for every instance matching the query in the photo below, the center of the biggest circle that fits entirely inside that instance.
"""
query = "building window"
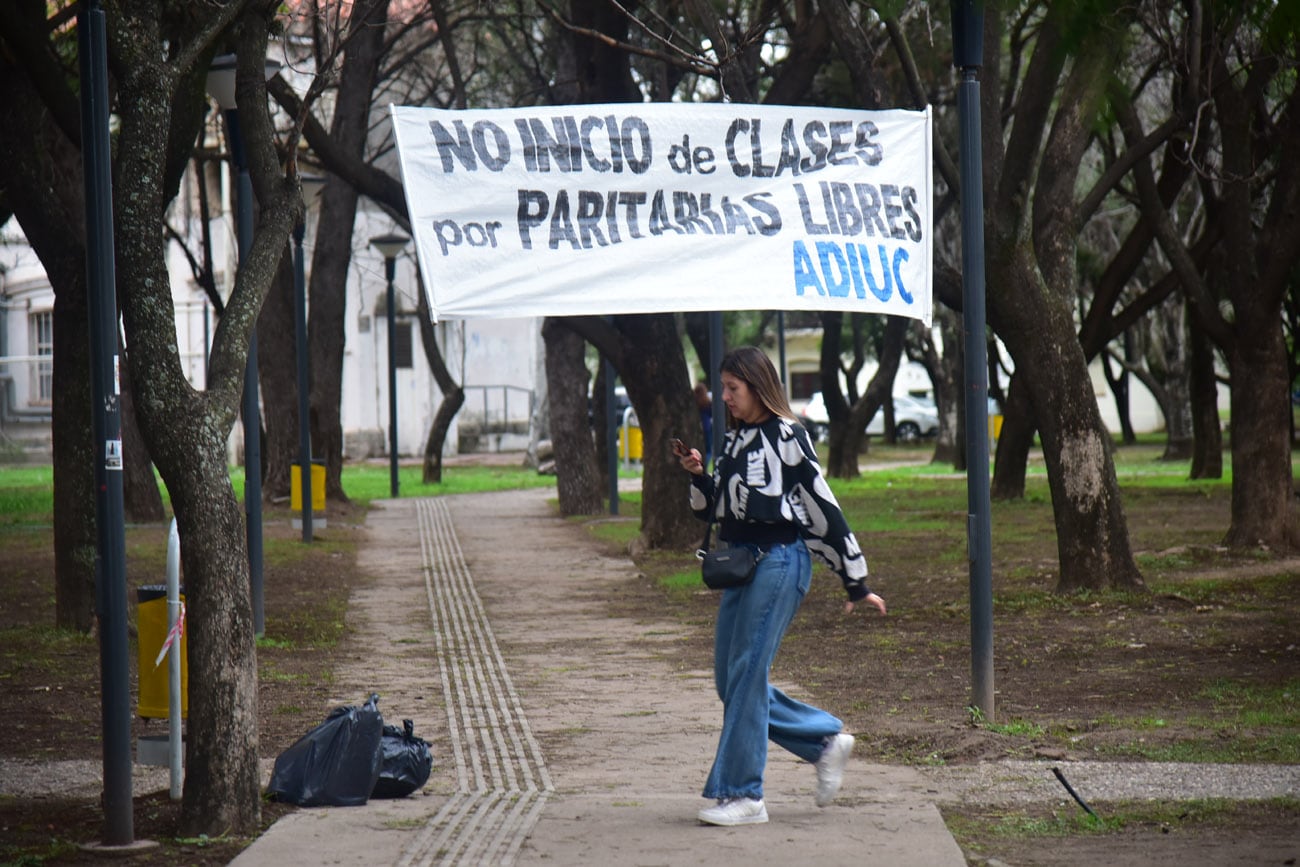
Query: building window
(42, 323)
(402, 346)
(802, 385)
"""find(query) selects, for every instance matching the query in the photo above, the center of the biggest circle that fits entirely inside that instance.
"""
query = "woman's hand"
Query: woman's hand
(869, 599)
(691, 460)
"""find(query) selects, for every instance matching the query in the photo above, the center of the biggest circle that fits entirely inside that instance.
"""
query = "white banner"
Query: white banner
(652, 207)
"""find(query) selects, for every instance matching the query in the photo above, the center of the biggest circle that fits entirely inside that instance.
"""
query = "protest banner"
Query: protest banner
(651, 207)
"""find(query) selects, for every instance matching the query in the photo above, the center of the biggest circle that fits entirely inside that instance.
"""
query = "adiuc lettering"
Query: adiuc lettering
(837, 268)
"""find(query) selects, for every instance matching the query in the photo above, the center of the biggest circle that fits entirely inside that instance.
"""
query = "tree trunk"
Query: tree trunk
(42, 179)
(1119, 387)
(453, 396)
(1175, 363)
(334, 228)
(1260, 271)
(577, 472)
(222, 774)
(1263, 498)
(1207, 436)
(1179, 434)
(697, 332)
(646, 351)
(186, 430)
(946, 372)
(1032, 233)
(328, 293)
(277, 372)
(875, 398)
(841, 447)
(654, 370)
(75, 537)
(141, 501)
(1011, 458)
(1091, 533)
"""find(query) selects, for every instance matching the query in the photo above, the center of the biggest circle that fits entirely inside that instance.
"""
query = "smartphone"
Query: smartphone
(679, 447)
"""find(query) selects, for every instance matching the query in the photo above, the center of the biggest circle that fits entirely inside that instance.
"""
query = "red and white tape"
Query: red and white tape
(173, 636)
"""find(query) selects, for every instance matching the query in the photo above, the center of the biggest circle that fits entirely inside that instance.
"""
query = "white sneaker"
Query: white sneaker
(830, 767)
(735, 811)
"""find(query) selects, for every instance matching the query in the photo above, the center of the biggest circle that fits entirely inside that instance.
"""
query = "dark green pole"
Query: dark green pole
(968, 56)
(110, 565)
(390, 246)
(611, 436)
(304, 377)
(390, 273)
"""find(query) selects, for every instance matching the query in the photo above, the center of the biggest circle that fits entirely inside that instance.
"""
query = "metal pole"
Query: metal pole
(175, 742)
(251, 413)
(110, 571)
(304, 381)
(611, 437)
(968, 32)
(390, 269)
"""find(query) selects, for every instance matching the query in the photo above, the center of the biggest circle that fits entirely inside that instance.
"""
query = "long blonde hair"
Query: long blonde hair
(752, 366)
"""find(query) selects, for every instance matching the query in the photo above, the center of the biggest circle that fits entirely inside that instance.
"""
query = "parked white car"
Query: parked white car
(914, 418)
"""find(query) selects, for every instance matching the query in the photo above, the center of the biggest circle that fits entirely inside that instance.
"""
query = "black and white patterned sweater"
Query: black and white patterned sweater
(769, 474)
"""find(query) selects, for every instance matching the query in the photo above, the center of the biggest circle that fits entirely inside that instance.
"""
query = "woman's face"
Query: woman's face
(740, 400)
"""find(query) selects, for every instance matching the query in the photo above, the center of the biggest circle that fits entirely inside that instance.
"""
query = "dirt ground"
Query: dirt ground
(1204, 668)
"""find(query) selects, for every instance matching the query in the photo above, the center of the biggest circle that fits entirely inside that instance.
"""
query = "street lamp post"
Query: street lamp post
(389, 246)
(968, 57)
(110, 565)
(221, 85)
(311, 187)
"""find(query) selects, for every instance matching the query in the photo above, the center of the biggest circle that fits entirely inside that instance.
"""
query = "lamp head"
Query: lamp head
(221, 78)
(389, 245)
(967, 33)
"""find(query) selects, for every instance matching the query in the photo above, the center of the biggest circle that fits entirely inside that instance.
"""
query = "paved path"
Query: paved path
(561, 735)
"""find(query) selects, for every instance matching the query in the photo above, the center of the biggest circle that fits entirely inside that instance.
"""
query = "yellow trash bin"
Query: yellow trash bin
(317, 488)
(630, 445)
(151, 622)
(995, 426)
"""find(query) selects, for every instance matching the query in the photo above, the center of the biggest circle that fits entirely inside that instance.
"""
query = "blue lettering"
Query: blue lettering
(900, 256)
(805, 275)
(837, 284)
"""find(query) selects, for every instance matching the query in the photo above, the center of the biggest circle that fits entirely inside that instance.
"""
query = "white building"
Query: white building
(498, 362)
(26, 352)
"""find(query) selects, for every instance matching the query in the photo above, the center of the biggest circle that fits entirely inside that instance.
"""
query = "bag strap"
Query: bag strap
(713, 510)
(704, 549)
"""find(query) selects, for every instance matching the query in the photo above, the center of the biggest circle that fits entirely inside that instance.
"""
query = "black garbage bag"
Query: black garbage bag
(406, 764)
(335, 764)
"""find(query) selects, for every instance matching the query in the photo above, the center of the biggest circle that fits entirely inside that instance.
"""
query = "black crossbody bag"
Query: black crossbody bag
(722, 568)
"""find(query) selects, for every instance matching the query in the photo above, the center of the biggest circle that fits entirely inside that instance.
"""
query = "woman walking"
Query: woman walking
(767, 492)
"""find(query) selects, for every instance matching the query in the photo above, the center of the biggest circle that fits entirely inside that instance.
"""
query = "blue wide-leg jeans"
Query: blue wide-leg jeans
(752, 620)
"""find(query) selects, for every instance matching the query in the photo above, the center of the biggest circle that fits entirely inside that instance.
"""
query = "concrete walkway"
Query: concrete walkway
(561, 735)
